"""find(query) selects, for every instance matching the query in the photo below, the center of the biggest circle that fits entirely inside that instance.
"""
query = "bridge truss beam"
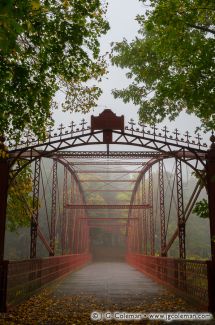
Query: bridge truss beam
(162, 210)
(107, 206)
(64, 227)
(53, 207)
(144, 217)
(176, 146)
(180, 208)
(151, 214)
(112, 154)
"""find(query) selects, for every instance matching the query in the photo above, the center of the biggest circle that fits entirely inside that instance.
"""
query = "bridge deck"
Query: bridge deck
(100, 286)
(112, 283)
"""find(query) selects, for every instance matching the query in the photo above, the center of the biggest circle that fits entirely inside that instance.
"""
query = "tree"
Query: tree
(20, 201)
(171, 62)
(201, 209)
(47, 46)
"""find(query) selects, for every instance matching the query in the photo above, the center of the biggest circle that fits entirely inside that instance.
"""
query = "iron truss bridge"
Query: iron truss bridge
(68, 203)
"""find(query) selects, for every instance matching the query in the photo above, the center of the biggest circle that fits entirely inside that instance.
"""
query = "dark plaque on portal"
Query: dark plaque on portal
(107, 121)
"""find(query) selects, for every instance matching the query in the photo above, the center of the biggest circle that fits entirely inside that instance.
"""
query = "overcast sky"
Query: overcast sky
(121, 16)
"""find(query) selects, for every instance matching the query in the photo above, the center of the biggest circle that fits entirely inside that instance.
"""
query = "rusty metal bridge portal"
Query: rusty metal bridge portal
(109, 193)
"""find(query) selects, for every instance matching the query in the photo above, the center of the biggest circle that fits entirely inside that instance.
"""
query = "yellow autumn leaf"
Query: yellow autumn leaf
(35, 4)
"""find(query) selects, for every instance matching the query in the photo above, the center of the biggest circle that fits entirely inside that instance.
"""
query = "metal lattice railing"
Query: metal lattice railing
(188, 277)
(25, 277)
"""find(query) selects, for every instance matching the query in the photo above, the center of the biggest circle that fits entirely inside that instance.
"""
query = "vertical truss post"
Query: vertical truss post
(142, 214)
(4, 178)
(132, 233)
(72, 219)
(132, 237)
(70, 231)
(35, 214)
(180, 207)
(66, 234)
(144, 217)
(64, 216)
(80, 225)
(87, 248)
(210, 178)
(75, 219)
(136, 239)
(77, 237)
(78, 228)
(82, 232)
(140, 218)
(88, 240)
(128, 245)
(54, 207)
(135, 229)
(136, 226)
(83, 237)
(162, 210)
(151, 216)
(139, 223)
(128, 241)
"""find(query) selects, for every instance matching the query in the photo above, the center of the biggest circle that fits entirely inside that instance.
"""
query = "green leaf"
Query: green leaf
(201, 209)
(45, 47)
(171, 62)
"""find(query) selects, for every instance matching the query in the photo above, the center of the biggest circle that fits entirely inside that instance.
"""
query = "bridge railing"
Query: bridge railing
(187, 277)
(26, 276)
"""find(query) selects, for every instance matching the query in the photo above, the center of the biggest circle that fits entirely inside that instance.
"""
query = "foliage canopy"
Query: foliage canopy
(47, 46)
(171, 63)
(20, 201)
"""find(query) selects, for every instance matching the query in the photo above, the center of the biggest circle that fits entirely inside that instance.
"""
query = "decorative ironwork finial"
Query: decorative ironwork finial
(187, 137)
(143, 127)
(199, 139)
(71, 126)
(27, 135)
(154, 130)
(49, 131)
(176, 134)
(61, 128)
(165, 131)
(132, 123)
(82, 124)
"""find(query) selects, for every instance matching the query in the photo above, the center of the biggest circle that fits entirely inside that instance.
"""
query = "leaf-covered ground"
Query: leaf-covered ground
(46, 309)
